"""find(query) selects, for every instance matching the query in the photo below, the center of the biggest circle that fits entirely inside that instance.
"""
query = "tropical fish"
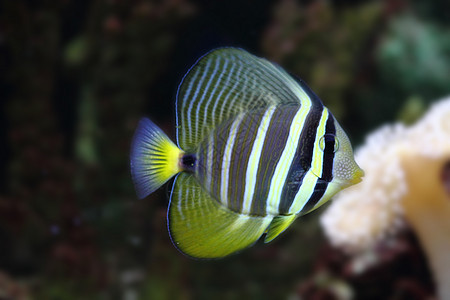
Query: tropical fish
(256, 149)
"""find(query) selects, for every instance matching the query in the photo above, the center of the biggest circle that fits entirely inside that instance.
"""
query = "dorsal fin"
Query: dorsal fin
(203, 228)
(226, 82)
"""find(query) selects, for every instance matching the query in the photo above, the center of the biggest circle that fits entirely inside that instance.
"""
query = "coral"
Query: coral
(346, 221)
(385, 184)
(403, 184)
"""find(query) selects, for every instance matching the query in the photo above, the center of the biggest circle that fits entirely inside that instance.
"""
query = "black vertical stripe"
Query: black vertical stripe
(328, 152)
(319, 191)
(302, 159)
(327, 166)
(273, 146)
(243, 144)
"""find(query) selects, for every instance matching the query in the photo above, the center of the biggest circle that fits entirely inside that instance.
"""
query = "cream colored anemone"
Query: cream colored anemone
(403, 182)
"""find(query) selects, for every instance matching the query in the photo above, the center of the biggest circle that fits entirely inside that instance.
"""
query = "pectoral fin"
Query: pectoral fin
(278, 225)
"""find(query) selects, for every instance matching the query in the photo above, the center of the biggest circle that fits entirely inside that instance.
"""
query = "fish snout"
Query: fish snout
(358, 174)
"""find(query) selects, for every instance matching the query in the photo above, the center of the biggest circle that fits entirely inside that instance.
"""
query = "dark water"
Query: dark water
(76, 77)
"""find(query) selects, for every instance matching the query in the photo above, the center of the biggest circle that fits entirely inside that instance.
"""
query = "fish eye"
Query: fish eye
(329, 141)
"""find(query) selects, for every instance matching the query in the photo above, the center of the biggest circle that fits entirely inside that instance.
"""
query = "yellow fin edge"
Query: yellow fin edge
(278, 225)
(154, 158)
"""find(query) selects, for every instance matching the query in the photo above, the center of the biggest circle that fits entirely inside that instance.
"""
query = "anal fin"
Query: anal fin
(278, 225)
(203, 228)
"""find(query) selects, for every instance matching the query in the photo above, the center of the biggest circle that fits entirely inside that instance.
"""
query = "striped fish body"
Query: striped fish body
(256, 149)
(256, 163)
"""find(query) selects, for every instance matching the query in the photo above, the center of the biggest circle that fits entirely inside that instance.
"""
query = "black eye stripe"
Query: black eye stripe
(328, 143)
(328, 149)
(329, 138)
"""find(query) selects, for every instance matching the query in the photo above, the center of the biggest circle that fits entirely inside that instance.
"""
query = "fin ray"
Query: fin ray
(153, 158)
(226, 82)
(279, 225)
(201, 227)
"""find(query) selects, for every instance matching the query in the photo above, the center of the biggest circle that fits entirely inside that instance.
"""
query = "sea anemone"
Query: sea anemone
(406, 184)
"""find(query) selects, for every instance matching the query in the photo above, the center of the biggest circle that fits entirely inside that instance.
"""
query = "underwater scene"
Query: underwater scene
(183, 149)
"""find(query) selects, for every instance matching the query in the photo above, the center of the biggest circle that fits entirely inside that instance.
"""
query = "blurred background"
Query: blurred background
(76, 77)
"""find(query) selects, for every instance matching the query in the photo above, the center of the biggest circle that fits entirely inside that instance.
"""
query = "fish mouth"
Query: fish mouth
(355, 180)
(357, 177)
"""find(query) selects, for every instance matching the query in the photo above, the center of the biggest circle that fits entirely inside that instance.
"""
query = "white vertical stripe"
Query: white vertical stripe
(227, 160)
(304, 193)
(193, 99)
(332, 188)
(317, 158)
(221, 83)
(253, 161)
(315, 172)
(187, 95)
(282, 169)
(205, 91)
(225, 84)
(237, 95)
(233, 90)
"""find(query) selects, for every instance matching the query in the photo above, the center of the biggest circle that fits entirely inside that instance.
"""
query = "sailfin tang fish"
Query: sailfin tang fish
(255, 150)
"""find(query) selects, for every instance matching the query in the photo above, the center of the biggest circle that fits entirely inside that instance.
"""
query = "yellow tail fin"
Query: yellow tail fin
(154, 159)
